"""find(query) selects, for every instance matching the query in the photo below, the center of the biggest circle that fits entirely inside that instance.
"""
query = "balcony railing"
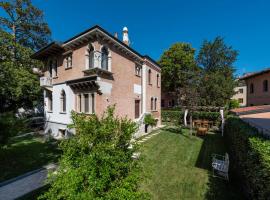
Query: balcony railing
(45, 81)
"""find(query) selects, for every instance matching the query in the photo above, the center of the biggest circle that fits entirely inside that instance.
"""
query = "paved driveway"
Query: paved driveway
(259, 120)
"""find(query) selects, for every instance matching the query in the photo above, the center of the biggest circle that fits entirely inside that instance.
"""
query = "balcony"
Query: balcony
(45, 81)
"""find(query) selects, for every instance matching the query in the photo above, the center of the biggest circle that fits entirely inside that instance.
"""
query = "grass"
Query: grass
(178, 166)
(25, 154)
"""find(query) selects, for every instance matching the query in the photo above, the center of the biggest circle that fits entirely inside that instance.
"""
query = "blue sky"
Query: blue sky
(155, 25)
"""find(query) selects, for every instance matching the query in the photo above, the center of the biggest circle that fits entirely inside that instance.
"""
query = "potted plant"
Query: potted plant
(149, 120)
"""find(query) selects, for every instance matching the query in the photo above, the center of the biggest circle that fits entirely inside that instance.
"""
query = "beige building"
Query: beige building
(241, 93)
(93, 70)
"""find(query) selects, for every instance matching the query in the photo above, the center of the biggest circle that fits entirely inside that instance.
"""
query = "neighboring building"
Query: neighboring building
(241, 93)
(168, 100)
(258, 91)
(93, 70)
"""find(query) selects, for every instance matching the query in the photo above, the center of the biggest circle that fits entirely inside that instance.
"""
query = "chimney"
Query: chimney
(116, 35)
(125, 36)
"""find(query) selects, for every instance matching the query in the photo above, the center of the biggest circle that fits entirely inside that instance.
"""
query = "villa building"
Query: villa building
(241, 93)
(258, 91)
(92, 71)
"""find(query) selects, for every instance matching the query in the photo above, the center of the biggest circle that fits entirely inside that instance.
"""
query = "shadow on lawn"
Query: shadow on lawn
(217, 188)
(173, 129)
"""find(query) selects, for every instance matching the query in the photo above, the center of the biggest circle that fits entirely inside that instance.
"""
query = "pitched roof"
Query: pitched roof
(43, 51)
(251, 75)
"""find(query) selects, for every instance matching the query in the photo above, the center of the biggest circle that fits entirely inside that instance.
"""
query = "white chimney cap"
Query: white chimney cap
(125, 29)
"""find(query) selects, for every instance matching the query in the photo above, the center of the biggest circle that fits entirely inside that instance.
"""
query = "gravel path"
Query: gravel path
(24, 184)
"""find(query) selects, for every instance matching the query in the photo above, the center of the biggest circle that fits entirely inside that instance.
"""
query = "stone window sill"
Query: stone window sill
(67, 68)
(62, 113)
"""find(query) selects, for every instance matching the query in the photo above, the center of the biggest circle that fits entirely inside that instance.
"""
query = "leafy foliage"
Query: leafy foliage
(234, 103)
(96, 162)
(180, 74)
(217, 83)
(177, 117)
(19, 86)
(150, 120)
(25, 22)
(249, 157)
(10, 126)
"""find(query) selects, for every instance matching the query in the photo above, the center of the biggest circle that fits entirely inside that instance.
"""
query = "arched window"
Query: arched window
(155, 103)
(91, 56)
(149, 76)
(251, 88)
(265, 85)
(157, 80)
(104, 58)
(63, 101)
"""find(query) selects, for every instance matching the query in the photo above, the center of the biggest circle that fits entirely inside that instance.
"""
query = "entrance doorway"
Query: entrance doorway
(137, 109)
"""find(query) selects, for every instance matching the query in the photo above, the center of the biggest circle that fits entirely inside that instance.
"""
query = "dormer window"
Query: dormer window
(68, 61)
(137, 70)
(104, 58)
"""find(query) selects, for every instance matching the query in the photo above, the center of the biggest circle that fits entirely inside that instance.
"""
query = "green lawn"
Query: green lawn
(178, 166)
(26, 154)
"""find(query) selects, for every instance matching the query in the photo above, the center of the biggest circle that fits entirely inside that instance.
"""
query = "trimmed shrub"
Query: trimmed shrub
(150, 120)
(249, 158)
(97, 162)
(177, 117)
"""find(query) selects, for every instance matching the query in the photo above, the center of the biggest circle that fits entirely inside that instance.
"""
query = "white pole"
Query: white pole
(222, 121)
(185, 117)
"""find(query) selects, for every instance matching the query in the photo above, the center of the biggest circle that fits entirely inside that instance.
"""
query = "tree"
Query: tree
(97, 162)
(25, 22)
(19, 87)
(179, 70)
(216, 60)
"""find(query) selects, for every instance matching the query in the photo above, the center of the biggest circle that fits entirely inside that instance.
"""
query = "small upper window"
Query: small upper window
(251, 89)
(68, 61)
(265, 85)
(241, 91)
(157, 80)
(149, 76)
(137, 70)
(104, 58)
(91, 56)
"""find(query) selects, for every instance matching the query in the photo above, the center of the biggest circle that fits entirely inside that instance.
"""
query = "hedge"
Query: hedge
(249, 158)
(178, 116)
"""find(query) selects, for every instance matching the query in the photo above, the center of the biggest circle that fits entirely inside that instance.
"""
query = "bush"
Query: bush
(96, 162)
(234, 104)
(177, 117)
(249, 158)
(150, 120)
(10, 126)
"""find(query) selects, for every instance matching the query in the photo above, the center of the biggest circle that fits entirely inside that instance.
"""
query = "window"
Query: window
(86, 103)
(173, 104)
(50, 101)
(155, 104)
(240, 100)
(157, 80)
(90, 56)
(63, 101)
(251, 88)
(137, 70)
(149, 76)
(104, 58)
(265, 85)
(152, 103)
(68, 61)
(241, 91)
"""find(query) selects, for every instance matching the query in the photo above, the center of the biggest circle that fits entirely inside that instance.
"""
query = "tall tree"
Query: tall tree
(179, 71)
(217, 84)
(19, 87)
(25, 22)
